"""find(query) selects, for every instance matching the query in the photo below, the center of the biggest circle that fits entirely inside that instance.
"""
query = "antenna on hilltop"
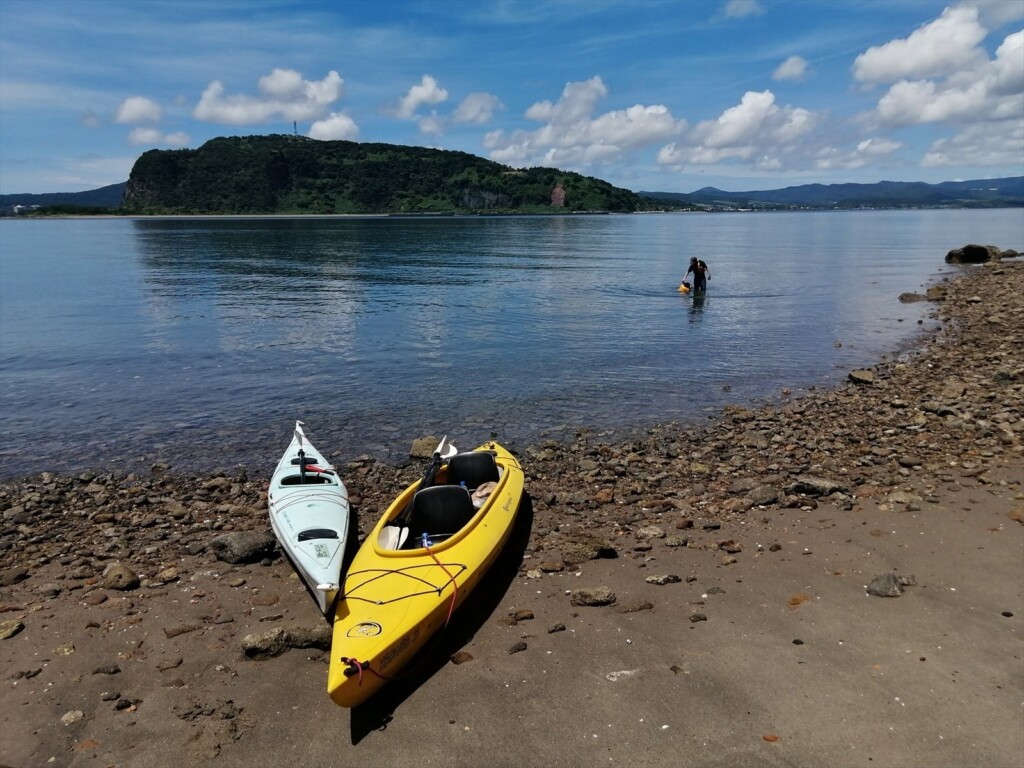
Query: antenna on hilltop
(295, 127)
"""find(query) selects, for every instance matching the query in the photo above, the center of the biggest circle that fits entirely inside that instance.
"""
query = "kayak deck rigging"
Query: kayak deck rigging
(384, 572)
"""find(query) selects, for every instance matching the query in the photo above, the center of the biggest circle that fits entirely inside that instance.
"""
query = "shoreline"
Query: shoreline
(914, 466)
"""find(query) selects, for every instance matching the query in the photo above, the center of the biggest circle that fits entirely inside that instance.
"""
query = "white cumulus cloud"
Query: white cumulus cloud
(985, 144)
(427, 91)
(153, 137)
(138, 109)
(792, 68)
(571, 135)
(756, 131)
(477, 108)
(284, 93)
(941, 47)
(831, 158)
(989, 90)
(432, 124)
(334, 127)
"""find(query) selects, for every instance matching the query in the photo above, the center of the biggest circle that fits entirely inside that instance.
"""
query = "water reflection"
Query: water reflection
(200, 340)
(697, 306)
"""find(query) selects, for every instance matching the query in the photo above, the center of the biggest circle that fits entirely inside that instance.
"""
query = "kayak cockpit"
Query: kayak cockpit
(309, 478)
(439, 512)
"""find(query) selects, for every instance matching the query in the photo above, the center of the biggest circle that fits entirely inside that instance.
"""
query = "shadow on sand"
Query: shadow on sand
(378, 711)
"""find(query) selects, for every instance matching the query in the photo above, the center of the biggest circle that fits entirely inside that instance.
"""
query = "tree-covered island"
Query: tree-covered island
(282, 174)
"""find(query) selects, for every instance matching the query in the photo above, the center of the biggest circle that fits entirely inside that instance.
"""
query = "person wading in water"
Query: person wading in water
(701, 275)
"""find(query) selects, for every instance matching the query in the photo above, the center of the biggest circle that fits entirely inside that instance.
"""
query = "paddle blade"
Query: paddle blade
(446, 449)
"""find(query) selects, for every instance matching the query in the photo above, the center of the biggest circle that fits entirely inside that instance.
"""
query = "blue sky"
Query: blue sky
(656, 95)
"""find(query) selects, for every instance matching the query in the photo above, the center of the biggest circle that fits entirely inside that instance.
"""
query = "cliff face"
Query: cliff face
(291, 174)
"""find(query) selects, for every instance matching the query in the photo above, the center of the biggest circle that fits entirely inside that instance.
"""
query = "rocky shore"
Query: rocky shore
(638, 615)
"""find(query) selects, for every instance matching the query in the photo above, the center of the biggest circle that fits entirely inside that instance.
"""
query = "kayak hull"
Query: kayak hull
(395, 600)
(309, 512)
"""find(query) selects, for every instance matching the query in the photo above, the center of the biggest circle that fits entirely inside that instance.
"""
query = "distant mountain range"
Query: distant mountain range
(981, 193)
(104, 196)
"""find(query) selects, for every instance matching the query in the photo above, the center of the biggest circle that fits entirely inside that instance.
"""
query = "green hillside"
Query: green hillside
(294, 175)
(109, 196)
(981, 193)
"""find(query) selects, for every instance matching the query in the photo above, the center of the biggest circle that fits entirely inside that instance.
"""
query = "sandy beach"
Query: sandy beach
(739, 562)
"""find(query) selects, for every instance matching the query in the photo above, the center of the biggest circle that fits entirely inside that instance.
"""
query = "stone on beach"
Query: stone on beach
(889, 585)
(119, 576)
(275, 641)
(594, 596)
(243, 546)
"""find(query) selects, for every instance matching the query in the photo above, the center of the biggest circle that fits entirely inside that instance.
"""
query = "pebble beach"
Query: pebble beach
(833, 579)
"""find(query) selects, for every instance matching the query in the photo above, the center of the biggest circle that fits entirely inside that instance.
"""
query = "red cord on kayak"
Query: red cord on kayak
(360, 666)
(451, 580)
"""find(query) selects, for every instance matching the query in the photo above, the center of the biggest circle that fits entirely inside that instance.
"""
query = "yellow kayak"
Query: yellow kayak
(423, 557)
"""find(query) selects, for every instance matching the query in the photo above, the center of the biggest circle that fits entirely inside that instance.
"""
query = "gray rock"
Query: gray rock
(587, 548)
(973, 254)
(903, 497)
(670, 578)
(650, 532)
(243, 546)
(274, 642)
(423, 447)
(743, 485)
(72, 717)
(10, 628)
(862, 376)
(908, 298)
(17, 515)
(763, 495)
(816, 486)
(889, 585)
(118, 576)
(11, 576)
(595, 596)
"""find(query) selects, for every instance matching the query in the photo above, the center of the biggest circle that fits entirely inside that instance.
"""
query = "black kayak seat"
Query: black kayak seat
(318, 533)
(439, 511)
(312, 478)
(474, 468)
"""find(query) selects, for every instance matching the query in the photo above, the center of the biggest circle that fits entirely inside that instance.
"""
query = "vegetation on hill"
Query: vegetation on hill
(294, 175)
(982, 193)
(104, 198)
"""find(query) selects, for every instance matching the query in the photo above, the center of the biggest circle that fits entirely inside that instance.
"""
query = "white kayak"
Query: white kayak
(309, 513)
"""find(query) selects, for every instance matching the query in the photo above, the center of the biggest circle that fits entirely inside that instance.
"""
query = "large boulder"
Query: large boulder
(973, 254)
(423, 447)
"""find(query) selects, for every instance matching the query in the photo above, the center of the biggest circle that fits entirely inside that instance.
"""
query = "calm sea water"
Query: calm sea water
(199, 341)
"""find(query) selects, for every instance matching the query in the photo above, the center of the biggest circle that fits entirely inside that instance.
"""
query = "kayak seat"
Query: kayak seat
(439, 511)
(474, 468)
(318, 533)
(311, 479)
